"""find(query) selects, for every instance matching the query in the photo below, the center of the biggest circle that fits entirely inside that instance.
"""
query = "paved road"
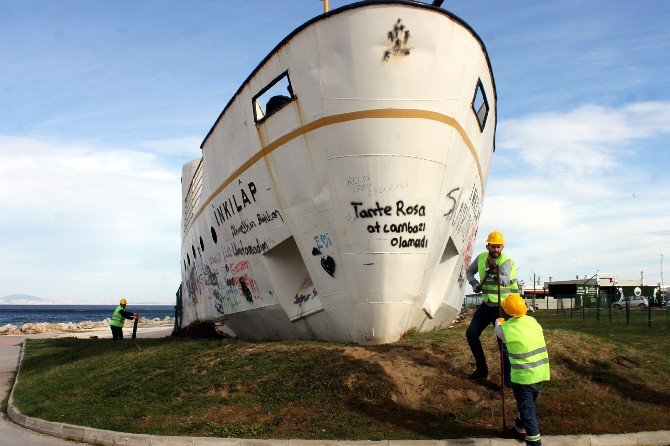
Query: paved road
(10, 433)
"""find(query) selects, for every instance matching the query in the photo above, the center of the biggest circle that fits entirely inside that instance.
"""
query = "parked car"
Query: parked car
(633, 302)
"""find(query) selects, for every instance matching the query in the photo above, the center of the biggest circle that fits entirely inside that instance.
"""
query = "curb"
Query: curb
(112, 438)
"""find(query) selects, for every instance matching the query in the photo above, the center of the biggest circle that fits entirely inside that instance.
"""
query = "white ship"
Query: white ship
(339, 191)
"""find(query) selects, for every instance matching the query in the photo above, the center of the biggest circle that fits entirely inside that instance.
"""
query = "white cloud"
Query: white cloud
(187, 146)
(571, 200)
(107, 217)
(585, 140)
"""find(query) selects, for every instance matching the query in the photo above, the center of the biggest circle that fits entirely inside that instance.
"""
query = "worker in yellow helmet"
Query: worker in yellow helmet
(490, 265)
(530, 365)
(118, 319)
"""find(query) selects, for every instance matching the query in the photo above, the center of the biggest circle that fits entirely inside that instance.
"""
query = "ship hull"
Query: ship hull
(349, 213)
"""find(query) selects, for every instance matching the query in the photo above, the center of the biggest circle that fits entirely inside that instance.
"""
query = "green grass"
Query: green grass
(606, 377)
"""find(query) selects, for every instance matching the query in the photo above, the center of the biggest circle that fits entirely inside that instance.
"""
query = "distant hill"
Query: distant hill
(25, 299)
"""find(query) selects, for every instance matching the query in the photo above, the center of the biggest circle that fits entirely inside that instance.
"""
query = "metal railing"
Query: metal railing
(613, 310)
(193, 196)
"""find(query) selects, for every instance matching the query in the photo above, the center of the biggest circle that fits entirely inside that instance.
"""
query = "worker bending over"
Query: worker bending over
(119, 318)
(530, 364)
(488, 265)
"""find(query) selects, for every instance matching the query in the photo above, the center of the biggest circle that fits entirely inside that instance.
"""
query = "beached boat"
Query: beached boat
(339, 191)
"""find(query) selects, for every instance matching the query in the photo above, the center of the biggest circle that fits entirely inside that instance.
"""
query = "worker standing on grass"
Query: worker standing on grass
(490, 265)
(530, 364)
(119, 318)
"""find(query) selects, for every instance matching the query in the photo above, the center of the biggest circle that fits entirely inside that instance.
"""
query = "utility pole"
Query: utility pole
(662, 283)
(534, 290)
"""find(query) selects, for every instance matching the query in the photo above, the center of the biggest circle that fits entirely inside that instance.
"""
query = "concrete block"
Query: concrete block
(363, 443)
(16, 416)
(566, 440)
(468, 442)
(122, 438)
(658, 438)
(416, 443)
(252, 442)
(505, 442)
(164, 440)
(614, 440)
(99, 436)
(73, 432)
(214, 441)
(313, 443)
(51, 428)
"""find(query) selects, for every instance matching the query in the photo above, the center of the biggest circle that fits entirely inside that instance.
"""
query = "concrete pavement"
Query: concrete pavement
(11, 434)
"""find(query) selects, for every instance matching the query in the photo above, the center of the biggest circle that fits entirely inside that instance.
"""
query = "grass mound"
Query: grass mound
(606, 378)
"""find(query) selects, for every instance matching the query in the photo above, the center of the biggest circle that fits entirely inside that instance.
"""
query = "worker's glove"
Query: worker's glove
(477, 287)
(499, 321)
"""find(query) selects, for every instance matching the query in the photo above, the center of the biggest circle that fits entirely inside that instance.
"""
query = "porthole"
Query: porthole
(193, 250)
(189, 259)
(184, 265)
(202, 245)
(213, 234)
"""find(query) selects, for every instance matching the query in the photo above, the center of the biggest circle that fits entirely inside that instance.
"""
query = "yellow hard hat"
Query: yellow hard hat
(496, 238)
(514, 305)
(122, 302)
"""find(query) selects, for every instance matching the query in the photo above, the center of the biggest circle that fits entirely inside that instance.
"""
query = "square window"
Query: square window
(273, 97)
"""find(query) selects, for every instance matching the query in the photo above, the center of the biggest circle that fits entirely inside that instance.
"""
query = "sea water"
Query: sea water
(20, 314)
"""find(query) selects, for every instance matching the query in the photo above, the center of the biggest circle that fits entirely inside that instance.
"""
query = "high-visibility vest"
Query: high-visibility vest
(527, 350)
(117, 319)
(490, 285)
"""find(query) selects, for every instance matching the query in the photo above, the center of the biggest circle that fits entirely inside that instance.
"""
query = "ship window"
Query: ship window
(189, 259)
(480, 106)
(202, 245)
(214, 237)
(273, 97)
(193, 249)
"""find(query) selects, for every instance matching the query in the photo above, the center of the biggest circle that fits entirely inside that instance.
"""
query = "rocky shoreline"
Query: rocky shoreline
(45, 327)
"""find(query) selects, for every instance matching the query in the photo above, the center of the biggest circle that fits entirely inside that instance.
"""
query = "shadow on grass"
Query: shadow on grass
(600, 372)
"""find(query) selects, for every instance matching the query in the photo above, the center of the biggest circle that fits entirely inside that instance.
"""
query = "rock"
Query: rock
(29, 328)
(8, 329)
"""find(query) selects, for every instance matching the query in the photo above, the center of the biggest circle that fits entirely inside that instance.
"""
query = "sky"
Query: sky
(101, 103)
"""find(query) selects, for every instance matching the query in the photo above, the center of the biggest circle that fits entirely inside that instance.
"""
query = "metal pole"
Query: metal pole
(135, 327)
(597, 298)
(649, 312)
(326, 7)
(627, 312)
(609, 308)
(534, 293)
(502, 359)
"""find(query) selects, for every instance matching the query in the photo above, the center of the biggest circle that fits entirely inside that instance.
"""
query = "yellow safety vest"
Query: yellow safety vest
(527, 350)
(490, 285)
(117, 319)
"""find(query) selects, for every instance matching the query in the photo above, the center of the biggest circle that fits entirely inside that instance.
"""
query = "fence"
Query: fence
(611, 310)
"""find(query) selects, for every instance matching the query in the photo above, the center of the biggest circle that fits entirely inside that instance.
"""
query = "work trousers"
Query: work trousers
(483, 317)
(526, 395)
(117, 332)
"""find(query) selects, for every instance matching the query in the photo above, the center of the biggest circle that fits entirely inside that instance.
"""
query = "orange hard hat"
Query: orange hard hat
(495, 238)
(122, 302)
(514, 305)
